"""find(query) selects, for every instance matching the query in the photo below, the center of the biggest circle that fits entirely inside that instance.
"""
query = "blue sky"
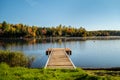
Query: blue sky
(91, 14)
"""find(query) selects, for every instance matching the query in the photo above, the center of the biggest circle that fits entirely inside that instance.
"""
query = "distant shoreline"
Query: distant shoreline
(73, 38)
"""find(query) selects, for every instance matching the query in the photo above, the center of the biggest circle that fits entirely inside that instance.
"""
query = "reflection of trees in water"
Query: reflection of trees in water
(8, 43)
(57, 40)
(5, 43)
(31, 44)
(60, 41)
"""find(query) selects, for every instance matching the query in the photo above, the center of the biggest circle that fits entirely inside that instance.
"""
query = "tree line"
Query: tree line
(8, 30)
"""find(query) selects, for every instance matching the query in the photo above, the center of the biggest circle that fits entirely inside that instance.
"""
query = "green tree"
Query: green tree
(59, 30)
(82, 32)
(4, 25)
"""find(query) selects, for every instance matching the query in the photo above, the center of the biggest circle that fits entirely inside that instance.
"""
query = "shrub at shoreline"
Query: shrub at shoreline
(15, 58)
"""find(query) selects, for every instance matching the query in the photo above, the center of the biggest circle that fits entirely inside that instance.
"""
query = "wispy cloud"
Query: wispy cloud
(32, 2)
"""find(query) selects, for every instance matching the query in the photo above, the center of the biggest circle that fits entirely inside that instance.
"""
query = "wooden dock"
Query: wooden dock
(58, 58)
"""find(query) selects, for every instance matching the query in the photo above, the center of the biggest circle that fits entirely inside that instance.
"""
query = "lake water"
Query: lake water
(85, 53)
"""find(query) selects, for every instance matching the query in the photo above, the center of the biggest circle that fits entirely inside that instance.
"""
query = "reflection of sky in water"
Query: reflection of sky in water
(98, 53)
(89, 53)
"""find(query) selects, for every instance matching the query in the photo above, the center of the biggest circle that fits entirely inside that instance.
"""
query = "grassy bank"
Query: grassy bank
(10, 69)
(21, 73)
(110, 75)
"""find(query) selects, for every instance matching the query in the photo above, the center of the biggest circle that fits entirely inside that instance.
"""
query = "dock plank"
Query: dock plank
(59, 59)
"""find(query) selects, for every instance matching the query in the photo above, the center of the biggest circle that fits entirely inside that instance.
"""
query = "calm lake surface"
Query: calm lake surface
(85, 53)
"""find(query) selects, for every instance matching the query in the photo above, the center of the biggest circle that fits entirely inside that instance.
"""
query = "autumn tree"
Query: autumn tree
(19, 30)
